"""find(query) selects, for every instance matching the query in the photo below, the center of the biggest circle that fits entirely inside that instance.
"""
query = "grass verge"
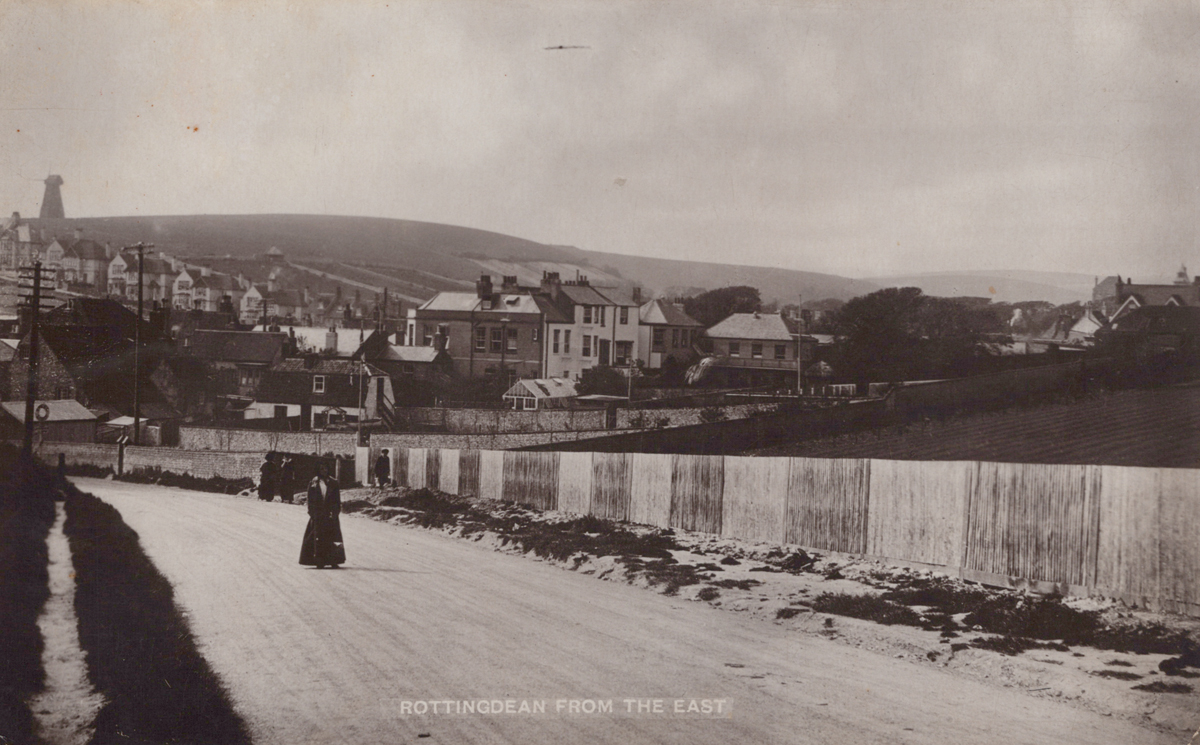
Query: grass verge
(155, 475)
(26, 514)
(140, 651)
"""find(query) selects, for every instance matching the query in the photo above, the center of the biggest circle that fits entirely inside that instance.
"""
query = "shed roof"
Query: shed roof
(65, 410)
(542, 388)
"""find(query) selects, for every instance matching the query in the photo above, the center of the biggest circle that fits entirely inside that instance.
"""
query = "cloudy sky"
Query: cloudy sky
(857, 138)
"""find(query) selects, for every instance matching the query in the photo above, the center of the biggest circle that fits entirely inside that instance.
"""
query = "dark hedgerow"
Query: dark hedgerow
(140, 651)
(26, 514)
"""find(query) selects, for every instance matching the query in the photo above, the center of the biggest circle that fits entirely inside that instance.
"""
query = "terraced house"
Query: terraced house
(589, 327)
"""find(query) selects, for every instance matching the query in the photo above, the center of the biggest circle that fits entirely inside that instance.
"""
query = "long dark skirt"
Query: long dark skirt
(322, 544)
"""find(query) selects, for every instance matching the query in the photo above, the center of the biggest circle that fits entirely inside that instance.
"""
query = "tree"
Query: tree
(715, 305)
(602, 380)
(899, 333)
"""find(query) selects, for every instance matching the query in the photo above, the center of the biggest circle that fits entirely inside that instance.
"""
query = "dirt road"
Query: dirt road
(315, 656)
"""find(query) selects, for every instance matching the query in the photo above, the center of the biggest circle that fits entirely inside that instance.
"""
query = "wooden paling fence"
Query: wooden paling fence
(1132, 533)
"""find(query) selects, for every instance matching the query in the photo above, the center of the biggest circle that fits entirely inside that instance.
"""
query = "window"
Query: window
(587, 314)
(735, 349)
(512, 340)
(554, 347)
(684, 341)
(497, 340)
(281, 412)
(675, 338)
(601, 312)
(318, 384)
(481, 340)
(409, 369)
(658, 339)
(426, 335)
(587, 346)
(781, 351)
(536, 335)
(567, 341)
(756, 350)
(624, 353)
(624, 315)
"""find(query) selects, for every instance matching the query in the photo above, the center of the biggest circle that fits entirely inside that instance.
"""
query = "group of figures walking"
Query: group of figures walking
(322, 545)
(276, 478)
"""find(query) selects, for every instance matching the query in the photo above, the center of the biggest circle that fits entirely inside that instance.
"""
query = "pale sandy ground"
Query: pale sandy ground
(65, 709)
(327, 656)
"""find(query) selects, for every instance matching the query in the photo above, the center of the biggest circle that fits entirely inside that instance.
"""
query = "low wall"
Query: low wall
(248, 440)
(1106, 530)
(202, 463)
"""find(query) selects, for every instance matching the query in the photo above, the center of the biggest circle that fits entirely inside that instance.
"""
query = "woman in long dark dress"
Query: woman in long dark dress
(322, 544)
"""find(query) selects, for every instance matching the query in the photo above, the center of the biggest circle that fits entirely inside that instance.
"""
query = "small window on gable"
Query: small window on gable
(318, 384)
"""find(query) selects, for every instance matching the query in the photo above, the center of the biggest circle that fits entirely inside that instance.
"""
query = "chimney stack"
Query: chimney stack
(551, 284)
(483, 288)
(509, 283)
(78, 234)
(331, 339)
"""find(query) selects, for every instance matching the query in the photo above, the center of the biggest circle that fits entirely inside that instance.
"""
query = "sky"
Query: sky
(855, 138)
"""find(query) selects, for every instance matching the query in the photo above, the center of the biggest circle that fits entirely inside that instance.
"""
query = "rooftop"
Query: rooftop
(765, 326)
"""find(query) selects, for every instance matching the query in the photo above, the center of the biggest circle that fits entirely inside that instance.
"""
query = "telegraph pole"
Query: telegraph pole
(31, 381)
(137, 348)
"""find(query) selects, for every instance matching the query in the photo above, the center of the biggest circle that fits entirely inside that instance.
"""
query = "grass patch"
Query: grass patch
(140, 651)
(26, 514)
(1159, 686)
(866, 607)
(1014, 645)
(735, 584)
(1117, 675)
(217, 484)
(708, 593)
(1119, 663)
(785, 613)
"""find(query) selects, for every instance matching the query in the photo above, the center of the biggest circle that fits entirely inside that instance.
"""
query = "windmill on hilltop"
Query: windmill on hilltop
(52, 204)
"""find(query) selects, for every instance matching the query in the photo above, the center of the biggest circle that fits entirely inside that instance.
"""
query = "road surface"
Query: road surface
(338, 656)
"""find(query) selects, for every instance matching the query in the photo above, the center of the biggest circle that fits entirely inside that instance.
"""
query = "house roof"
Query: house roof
(218, 282)
(551, 312)
(399, 353)
(466, 302)
(290, 298)
(312, 338)
(584, 295)
(765, 326)
(1161, 294)
(236, 346)
(662, 313)
(150, 265)
(543, 388)
(66, 410)
(82, 311)
(325, 366)
(7, 352)
(89, 250)
(1160, 319)
(617, 296)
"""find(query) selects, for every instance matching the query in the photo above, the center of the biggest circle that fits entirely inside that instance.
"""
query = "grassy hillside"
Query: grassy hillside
(435, 256)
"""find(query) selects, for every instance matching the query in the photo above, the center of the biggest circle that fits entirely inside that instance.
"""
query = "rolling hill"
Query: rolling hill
(427, 257)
